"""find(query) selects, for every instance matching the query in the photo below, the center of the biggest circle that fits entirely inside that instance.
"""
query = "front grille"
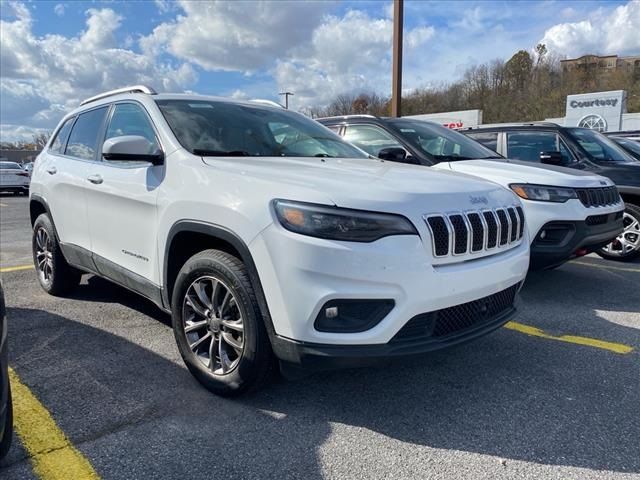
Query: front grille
(598, 197)
(476, 231)
(456, 320)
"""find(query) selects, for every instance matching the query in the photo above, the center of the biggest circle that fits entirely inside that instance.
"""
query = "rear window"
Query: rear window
(9, 166)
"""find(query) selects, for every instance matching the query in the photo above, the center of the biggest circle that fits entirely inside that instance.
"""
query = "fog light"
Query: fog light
(331, 312)
(543, 234)
(351, 315)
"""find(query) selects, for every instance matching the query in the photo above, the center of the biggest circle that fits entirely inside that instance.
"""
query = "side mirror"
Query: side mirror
(132, 148)
(393, 154)
(551, 158)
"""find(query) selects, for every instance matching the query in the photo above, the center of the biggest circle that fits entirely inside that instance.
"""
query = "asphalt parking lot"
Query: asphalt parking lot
(556, 396)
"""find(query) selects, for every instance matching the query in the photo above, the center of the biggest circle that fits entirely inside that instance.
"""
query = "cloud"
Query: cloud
(44, 76)
(236, 36)
(603, 33)
(346, 54)
(59, 9)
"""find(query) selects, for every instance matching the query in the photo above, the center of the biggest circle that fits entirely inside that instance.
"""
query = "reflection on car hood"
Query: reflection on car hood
(509, 171)
(366, 183)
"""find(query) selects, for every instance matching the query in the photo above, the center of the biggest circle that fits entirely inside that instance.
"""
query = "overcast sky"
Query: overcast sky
(55, 54)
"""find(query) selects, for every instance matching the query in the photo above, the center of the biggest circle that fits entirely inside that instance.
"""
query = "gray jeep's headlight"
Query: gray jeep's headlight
(340, 223)
(543, 193)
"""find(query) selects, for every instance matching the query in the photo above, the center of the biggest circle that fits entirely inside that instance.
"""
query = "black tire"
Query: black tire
(5, 441)
(57, 277)
(634, 212)
(255, 364)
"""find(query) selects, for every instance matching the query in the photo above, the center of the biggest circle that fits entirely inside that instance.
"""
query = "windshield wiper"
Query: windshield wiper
(489, 158)
(220, 153)
(450, 158)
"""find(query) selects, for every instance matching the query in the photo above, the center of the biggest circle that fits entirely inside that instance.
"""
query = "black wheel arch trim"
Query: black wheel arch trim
(220, 233)
(35, 198)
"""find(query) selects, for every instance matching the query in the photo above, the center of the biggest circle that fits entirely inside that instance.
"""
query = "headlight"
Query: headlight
(543, 193)
(340, 223)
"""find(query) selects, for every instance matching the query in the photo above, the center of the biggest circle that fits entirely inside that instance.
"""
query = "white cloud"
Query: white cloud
(59, 9)
(44, 76)
(236, 36)
(603, 33)
(346, 54)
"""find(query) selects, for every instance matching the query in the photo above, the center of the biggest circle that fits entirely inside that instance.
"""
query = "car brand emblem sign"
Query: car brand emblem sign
(477, 200)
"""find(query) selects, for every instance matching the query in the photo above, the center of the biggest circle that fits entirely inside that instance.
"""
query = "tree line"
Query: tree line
(524, 88)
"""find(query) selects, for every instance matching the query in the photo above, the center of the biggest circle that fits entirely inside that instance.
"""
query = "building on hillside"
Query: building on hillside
(601, 65)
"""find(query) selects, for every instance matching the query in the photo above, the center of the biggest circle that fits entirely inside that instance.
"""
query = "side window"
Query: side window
(84, 135)
(528, 145)
(488, 139)
(60, 142)
(369, 138)
(130, 119)
(334, 128)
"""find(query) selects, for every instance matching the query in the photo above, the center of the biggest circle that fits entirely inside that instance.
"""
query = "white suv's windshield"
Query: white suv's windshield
(598, 146)
(443, 144)
(212, 128)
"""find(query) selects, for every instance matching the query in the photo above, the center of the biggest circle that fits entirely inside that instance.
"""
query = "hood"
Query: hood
(509, 171)
(368, 184)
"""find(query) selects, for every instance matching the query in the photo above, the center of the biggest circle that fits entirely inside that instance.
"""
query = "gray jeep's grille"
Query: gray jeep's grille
(598, 197)
(475, 231)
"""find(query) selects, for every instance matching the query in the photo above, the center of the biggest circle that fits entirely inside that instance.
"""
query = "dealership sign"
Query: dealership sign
(609, 102)
(599, 111)
(454, 120)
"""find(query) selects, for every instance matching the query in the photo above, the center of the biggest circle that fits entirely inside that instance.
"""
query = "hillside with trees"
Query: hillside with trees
(524, 88)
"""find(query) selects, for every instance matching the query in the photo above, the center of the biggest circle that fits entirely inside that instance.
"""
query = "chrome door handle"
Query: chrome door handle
(97, 179)
(52, 170)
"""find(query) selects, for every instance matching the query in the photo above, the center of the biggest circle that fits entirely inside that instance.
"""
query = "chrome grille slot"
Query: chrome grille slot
(504, 226)
(472, 232)
(515, 226)
(460, 234)
(492, 229)
(477, 231)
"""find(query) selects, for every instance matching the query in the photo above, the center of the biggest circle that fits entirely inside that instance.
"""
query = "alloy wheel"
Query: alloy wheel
(213, 324)
(628, 241)
(44, 254)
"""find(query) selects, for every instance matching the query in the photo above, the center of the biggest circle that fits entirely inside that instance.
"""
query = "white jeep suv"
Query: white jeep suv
(268, 237)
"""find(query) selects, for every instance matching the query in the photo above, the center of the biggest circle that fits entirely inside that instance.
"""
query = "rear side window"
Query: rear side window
(83, 139)
(528, 145)
(60, 142)
(488, 139)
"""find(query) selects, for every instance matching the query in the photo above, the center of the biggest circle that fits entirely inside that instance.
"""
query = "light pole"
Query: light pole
(396, 79)
(286, 98)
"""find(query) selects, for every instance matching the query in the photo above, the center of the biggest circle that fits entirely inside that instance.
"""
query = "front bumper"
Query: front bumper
(424, 333)
(569, 239)
(300, 274)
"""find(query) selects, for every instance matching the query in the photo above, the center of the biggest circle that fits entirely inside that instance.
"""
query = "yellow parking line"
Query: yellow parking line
(590, 342)
(606, 267)
(15, 269)
(52, 455)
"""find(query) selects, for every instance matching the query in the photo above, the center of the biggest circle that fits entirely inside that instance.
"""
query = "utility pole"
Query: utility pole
(286, 98)
(396, 81)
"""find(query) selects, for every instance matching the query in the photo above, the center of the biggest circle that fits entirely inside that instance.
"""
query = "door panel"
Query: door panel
(121, 198)
(64, 169)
